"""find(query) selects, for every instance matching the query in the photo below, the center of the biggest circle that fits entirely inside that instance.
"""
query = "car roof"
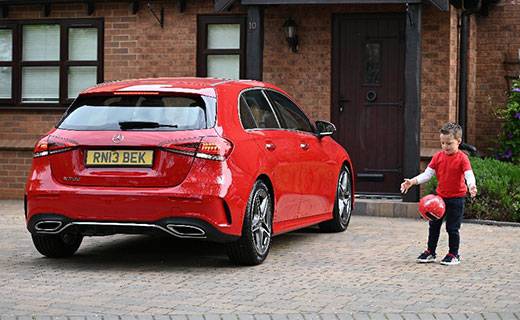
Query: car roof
(202, 86)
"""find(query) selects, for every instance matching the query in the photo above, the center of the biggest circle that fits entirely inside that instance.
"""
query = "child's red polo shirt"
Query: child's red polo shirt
(449, 170)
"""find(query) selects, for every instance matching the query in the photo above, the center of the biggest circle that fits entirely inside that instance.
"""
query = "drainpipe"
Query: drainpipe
(463, 73)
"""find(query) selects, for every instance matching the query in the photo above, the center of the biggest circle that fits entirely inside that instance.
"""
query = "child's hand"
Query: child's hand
(473, 191)
(407, 184)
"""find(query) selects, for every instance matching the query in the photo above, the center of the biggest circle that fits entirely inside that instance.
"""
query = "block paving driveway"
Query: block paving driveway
(368, 272)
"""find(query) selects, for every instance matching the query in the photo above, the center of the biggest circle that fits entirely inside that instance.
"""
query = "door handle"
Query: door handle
(270, 146)
(341, 101)
(304, 146)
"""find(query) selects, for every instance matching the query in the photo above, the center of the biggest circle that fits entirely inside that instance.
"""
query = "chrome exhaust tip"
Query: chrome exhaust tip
(48, 226)
(186, 231)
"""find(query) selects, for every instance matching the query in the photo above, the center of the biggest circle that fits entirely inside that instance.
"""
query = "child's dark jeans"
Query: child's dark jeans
(453, 216)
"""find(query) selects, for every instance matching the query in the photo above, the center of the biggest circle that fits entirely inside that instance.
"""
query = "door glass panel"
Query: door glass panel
(81, 78)
(40, 84)
(224, 66)
(83, 44)
(372, 63)
(41, 42)
(260, 109)
(223, 36)
(292, 117)
(5, 82)
(6, 45)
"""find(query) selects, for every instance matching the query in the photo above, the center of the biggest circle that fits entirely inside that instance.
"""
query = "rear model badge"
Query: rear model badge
(118, 138)
(72, 179)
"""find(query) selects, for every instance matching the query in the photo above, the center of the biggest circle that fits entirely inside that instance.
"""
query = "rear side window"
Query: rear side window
(140, 112)
(248, 122)
(260, 109)
(291, 116)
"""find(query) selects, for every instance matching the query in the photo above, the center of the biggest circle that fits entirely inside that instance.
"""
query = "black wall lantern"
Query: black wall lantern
(289, 28)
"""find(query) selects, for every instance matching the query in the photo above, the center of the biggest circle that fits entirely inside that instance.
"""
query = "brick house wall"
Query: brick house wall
(307, 74)
(439, 75)
(498, 40)
(472, 82)
(135, 46)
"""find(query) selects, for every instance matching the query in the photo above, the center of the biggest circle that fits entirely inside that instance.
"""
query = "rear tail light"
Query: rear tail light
(211, 148)
(52, 145)
(214, 148)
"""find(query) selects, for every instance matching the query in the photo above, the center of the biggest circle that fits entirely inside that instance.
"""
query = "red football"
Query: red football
(432, 207)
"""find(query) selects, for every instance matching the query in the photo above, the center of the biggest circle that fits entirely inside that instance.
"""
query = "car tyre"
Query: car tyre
(57, 246)
(253, 246)
(342, 204)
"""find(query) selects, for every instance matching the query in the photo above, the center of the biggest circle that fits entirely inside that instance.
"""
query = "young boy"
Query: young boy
(451, 166)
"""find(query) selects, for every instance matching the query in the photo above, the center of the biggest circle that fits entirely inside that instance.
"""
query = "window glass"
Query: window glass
(40, 84)
(260, 109)
(41, 42)
(40, 68)
(83, 44)
(81, 78)
(220, 46)
(224, 36)
(224, 66)
(5, 82)
(246, 117)
(6, 45)
(173, 112)
(292, 117)
(372, 63)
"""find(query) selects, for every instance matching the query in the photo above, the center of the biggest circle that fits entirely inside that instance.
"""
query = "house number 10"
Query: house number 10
(252, 25)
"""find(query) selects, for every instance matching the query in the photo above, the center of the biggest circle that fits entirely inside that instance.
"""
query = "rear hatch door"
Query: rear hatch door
(150, 142)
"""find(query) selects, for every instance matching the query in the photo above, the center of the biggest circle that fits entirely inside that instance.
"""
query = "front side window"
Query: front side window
(291, 117)
(48, 63)
(221, 47)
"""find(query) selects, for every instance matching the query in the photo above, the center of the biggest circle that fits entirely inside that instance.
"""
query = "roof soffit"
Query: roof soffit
(222, 5)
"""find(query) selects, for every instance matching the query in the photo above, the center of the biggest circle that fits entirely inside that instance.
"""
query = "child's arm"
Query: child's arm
(422, 178)
(470, 182)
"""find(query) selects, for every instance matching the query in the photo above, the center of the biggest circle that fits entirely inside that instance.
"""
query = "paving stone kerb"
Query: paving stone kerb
(289, 316)
(369, 270)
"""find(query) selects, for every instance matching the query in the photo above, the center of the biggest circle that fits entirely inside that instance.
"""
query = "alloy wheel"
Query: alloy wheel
(261, 222)
(344, 197)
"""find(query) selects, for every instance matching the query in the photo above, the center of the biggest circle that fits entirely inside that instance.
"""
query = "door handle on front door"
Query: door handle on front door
(341, 101)
(304, 146)
(270, 146)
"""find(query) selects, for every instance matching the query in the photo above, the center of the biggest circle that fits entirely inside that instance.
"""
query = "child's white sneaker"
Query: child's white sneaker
(426, 257)
(450, 259)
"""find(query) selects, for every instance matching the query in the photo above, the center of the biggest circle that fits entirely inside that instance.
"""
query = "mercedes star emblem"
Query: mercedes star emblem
(118, 138)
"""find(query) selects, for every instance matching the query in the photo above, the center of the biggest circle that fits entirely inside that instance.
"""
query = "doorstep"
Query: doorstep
(386, 208)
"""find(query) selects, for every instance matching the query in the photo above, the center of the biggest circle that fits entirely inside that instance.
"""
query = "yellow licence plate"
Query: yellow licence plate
(135, 158)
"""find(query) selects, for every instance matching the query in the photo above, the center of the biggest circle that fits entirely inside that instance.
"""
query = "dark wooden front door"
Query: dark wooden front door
(368, 97)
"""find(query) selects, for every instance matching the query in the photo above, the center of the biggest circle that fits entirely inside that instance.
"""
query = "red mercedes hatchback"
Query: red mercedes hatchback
(229, 161)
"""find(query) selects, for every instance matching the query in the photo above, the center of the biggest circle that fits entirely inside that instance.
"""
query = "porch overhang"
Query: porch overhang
(222, 5)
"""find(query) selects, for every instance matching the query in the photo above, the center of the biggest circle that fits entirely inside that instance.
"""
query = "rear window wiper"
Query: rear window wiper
(124, 125)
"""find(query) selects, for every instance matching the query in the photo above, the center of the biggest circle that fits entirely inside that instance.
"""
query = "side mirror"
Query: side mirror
(471, 149)
(324, 128)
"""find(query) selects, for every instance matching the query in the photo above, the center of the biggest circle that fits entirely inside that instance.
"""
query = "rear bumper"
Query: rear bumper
(189, 228)
(207, 201)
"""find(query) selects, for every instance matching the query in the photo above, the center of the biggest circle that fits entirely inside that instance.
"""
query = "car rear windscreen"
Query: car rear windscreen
(140, 112)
